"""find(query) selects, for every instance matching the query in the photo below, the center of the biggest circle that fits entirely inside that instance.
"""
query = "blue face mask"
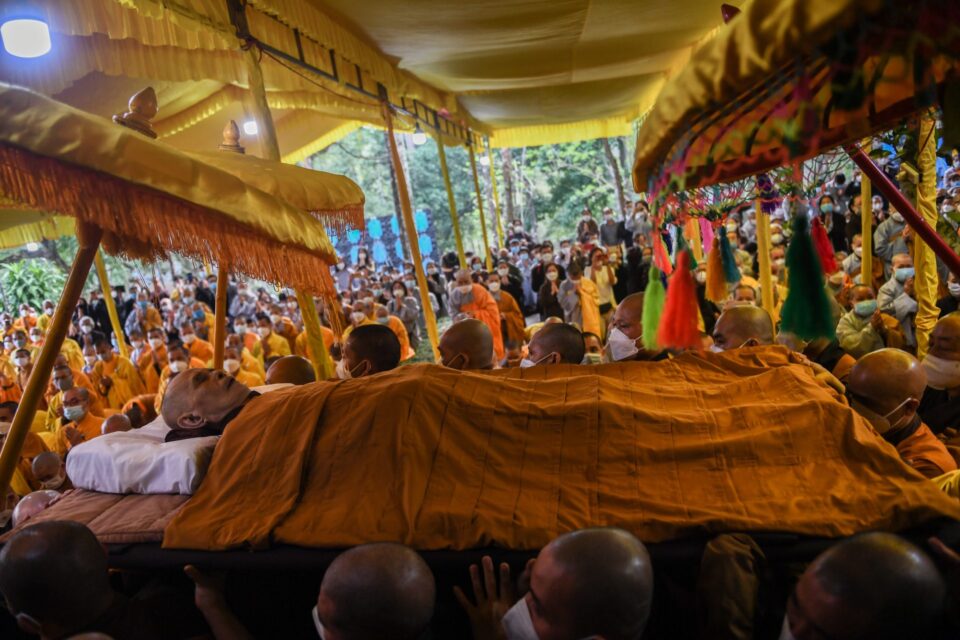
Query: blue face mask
(827, 207)
(865, 308)
(143, 305)
(904, 273)
(198, 315)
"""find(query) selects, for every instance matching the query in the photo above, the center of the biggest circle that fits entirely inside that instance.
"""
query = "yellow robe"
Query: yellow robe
(148, 372)
(249, 379)
(303, 345)
(127, 382)
(89, 427)
(590, 306)
(55, 401)
(275, 345)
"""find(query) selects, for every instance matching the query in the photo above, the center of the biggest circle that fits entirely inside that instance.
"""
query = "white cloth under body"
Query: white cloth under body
(139, 461)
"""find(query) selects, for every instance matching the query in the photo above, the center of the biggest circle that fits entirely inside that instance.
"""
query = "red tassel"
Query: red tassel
(824, 247)
(678, 324)
(660, 258)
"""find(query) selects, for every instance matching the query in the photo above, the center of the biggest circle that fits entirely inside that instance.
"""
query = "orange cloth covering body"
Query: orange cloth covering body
(442, 459)
(513, 320)
(484, 308)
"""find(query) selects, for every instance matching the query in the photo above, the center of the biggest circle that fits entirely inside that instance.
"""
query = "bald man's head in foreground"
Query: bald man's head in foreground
(53, 576)
(743, 326)
(382, 590)
(295, 370)
(876, 585)
(885, 387)
(32, 504)
(556, 344)
(467, 345)
(591, 583)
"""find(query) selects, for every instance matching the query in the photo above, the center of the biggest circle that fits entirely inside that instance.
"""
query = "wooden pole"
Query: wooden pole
(271, 150)
(407, 209)
(451, 201)
(926, 280)
(483, 220)
(323, 364)
(496, 196)
(111, 305)
(220, 315)
(866, 224)
(763, 260)
(89, 239)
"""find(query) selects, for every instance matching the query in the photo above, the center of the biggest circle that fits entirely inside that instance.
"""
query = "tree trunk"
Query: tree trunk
(615, 174)
(522, 200)
(396, 199)
(622, 150)
(50, 248)
(506, 160)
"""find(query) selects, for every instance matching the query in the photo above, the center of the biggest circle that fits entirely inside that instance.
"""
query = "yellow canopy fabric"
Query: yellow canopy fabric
(19, 227)
(528, 73)
(149, 198)
(788, 79)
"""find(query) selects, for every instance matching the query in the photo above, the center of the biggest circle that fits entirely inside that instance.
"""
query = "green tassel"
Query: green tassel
(806, 311)
(730, 271)
(653, 300)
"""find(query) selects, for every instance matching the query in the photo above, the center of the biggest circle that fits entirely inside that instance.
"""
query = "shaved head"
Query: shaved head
(118, 422)
(56, 573)
(197, 398)
(628, 316)
(876, 585)
(592, 582)
(884, 379)
(945, 338)
(557, 344)
(32, 504)
(294, 370)
(46, 466)
(743, 326)
(467, 345)
(373, 591)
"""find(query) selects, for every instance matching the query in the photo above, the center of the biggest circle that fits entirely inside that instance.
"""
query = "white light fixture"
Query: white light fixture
(484, 160)
(419, 137)
(25, 37)
(250, 127)
(32, 246)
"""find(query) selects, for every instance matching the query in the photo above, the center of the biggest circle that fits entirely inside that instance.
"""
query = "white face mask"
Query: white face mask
(546, 258)
(785, 633)
(620, 345)
(343, 372)
(55, 482)
(74, 413)
(241, 329)
(86, 329)
(155, 343)
(137, 344)
(701, 277)
(231, 365)
(503, 271)
(398, 294)
(896, 215)
(494, 286)
(517, 623)
(465, 289)
(941, 373)
(189, 338)
(90, 360)
(954, 288)
(263, 331)
(178, 366)
(21, 362)
(275, 318)
(858, 251)
(552, 276)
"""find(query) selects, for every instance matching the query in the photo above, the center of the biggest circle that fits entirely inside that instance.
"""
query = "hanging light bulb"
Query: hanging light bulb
(250, 127)
(419, 137)
(25, 37)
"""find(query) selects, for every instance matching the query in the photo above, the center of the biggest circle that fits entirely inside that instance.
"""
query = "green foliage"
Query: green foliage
(30, 281)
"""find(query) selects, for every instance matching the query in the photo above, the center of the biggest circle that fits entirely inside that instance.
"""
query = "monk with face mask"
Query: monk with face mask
(940, 405)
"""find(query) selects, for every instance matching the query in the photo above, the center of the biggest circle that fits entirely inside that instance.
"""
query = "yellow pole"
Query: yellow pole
(866, 224)
(483, 220)
(271, 149)
(220, 315)
(451, 201)
(763, 259)
(407, 211)
(696, 242)
(926, 280)
(89, 239)
(111, 306)
(496, 196)
(323, 365)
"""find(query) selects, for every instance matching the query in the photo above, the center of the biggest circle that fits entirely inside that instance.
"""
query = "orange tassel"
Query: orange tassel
(716, 281)
(678, 324)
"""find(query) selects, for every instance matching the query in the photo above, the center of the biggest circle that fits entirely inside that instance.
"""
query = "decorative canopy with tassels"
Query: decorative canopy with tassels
(788, 79)
(149, 198)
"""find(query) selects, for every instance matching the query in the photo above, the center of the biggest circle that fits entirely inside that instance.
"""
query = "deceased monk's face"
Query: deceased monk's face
(200, 396)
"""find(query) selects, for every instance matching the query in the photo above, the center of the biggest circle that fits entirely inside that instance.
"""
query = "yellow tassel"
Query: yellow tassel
(716, 282)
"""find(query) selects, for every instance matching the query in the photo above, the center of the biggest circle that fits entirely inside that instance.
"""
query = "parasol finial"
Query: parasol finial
(729, 12)
(231, 138)
(141, 109)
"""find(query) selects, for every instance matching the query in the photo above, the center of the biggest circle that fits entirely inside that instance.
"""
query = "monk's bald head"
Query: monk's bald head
(116, 423)
(46, 466)
(557, 344)
(945, 338)
(56, 573)
(294, 370)
(885, 379)
(32, 504)
(380, 590)
(467, 345)
(592, 582)
(743, 326)
(629, 315)
(876, 586)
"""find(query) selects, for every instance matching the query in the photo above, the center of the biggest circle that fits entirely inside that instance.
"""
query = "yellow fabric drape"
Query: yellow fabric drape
(111, 305)
(866, 223)
(20, 226)
(411, 229)
(451, 202)
(483, 220)
(926, 280)
(535, 135)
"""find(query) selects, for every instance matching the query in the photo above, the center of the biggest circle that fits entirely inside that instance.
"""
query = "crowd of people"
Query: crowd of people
(533, 302)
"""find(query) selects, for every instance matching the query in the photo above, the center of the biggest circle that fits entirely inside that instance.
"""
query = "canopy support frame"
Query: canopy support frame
(111, 305)
(220, 315)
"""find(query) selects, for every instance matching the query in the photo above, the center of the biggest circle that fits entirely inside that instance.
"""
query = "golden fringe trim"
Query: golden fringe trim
(343, 219)
(142, 223)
